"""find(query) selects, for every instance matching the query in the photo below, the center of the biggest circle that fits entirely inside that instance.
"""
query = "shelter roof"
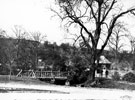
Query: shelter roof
(103, 60)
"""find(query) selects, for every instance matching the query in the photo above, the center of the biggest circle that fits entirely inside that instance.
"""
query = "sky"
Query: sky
(34, 15)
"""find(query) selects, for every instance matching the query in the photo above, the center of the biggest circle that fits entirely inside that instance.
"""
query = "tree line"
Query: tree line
(24, 54)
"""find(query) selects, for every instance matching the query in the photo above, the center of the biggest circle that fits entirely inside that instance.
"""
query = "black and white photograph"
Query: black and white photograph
(67, 49)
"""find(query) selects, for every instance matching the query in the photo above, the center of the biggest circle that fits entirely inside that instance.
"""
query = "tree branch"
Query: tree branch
(112, 26)
(112, 4)
(92, 11)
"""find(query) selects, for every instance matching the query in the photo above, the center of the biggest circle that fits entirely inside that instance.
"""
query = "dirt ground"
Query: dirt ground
(62, 93)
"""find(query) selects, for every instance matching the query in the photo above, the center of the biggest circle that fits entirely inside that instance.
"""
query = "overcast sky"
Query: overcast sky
(33, 15)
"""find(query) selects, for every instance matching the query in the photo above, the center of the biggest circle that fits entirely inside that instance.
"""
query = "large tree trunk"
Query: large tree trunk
(94, 64)
(91, 76)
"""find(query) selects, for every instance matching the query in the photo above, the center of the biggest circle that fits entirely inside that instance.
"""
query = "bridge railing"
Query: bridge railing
(42, 74)
(26, 73)
(46, 74)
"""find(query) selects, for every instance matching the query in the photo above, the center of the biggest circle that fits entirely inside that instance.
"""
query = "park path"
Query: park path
(71, 93)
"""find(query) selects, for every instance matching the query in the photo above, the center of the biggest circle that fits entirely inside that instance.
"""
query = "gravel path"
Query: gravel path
(65, 92)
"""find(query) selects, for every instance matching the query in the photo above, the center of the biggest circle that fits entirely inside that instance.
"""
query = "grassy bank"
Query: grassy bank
(5, 79)
(111, 84)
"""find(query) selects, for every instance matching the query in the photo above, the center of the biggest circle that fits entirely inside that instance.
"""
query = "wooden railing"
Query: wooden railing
(42, 74)
(50, 74)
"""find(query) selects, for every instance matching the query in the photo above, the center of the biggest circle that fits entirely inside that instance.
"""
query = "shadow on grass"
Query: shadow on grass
(20, 90)
(3, 91)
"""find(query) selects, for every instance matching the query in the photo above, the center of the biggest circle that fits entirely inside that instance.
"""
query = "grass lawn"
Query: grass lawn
(108, 83)
(5, 79)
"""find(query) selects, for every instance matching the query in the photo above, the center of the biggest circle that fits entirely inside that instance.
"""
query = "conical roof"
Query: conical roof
(104, 60)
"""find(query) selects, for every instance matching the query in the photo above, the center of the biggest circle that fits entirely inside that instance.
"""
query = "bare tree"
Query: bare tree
(132, 45)
(20, 32)
(94, 18)
(132, 42)
(115, 43)
(20, 35)
(9, 51)
(3, 33)
(10, 54)
(38, 38)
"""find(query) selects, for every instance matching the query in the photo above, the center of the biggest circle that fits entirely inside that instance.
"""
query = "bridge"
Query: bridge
(43, 74)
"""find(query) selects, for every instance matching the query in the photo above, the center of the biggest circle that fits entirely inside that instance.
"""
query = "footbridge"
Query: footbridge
(43, 74)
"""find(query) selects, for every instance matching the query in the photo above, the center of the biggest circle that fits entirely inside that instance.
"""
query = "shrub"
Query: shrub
(116, 76)
(130, 77)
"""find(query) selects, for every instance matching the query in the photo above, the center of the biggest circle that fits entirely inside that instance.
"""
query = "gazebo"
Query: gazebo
(103, 67)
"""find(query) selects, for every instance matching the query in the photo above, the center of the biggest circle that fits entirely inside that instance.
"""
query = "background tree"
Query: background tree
(20, 36)
(3, 33)
(52, 56)
(10, 53)
(132, 45)
(94, 18)
(37, 37)
(115, 43)
(4, 69)
(27, 44)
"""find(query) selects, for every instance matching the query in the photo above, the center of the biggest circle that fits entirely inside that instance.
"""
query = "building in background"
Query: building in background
(103, 67)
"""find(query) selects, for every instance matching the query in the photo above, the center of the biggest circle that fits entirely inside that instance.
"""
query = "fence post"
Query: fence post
(33, 74)
(19, 73)
(51, 73)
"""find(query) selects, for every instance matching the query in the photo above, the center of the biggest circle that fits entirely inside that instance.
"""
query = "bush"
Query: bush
(77, 77)
(130, 77)
(116, 76)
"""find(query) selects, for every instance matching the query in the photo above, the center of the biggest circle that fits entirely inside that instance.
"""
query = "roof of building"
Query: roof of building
(103, 60)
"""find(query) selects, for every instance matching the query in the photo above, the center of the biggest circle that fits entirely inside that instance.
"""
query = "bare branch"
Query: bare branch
(75, 40)
(37, 36)
(112, 4)
(112, 24)
(92, 10)
(62, 18)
